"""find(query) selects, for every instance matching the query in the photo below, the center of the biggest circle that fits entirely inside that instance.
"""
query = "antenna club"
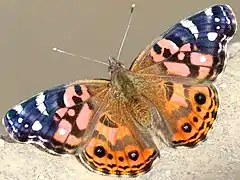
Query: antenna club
(126, 32)
(132, 8)
(55, 49)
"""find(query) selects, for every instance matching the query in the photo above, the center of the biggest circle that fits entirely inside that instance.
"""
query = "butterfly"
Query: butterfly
(168, 92)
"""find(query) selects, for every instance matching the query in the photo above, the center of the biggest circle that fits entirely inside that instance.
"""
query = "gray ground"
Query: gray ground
(94, 28)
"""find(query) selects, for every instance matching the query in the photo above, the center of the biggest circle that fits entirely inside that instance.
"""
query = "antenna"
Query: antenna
(83, 57)
(126, 32)
(120, 49)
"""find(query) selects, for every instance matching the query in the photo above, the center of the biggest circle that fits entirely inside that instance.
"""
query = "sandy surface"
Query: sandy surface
(28, 33)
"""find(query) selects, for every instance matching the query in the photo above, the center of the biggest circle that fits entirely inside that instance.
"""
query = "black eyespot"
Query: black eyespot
(121, 158)
(110, 156)
(200, 98)
(195, 119)
(99, 151)
(133, 155)
(186, 127)
(157, 49)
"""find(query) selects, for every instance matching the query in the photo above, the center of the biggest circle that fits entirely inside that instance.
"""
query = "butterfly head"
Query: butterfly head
(114, 65)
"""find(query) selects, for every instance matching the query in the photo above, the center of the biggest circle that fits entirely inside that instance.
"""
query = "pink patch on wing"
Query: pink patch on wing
(203, 88)
(203, 72)
(186, 47)
(201, 59)
(85, 95)
(177, 68)
(55, 118)
(179, 100)
(70, 93)
(164, 44)
(73, 140)
(71, 112)
(181, 56)
(62, 111)
(64, 128)
(84, 116)
(112, 135)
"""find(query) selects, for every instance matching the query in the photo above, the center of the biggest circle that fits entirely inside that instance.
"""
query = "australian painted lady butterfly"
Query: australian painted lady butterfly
(168, 90)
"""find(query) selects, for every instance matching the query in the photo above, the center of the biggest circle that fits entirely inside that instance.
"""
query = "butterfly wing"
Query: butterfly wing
(176, 71)
(57, 118)
(194, 48)
(183, 113)
(195, 109)
(119, 146)
(86, 120)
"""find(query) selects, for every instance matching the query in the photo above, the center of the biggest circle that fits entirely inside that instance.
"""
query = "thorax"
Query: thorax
(124, 84)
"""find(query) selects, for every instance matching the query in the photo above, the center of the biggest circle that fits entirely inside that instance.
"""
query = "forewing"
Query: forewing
(57, 119)
(194, 48)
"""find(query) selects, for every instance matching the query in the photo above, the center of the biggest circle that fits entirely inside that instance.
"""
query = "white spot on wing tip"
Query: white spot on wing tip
(40, 103)
(208, 12)
(228, 21)
(20, 120)
(42, 139)
(42, 109)
(36, 126)
(40, 98)
(10, 122)
(186, 23)
(212, 36)
(14, 129)
(192, 27)
(216, 19)
(18, 108)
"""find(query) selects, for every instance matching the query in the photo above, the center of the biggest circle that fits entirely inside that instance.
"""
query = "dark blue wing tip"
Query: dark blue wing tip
(20, 126)
(32, 119)
(7, 119)
(226, 10)
(11, 121)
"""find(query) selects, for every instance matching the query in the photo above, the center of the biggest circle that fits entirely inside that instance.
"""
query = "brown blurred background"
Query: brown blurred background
(93, 28)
